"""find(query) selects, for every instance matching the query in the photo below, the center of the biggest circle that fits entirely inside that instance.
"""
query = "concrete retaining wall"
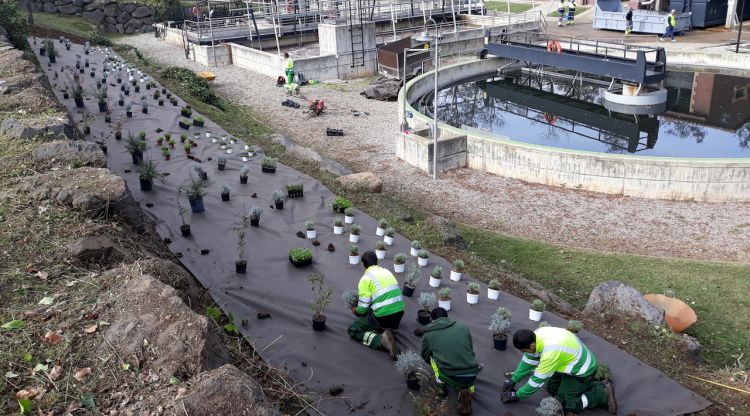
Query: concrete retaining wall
(715, 180)
(714, 59)
(112, 16)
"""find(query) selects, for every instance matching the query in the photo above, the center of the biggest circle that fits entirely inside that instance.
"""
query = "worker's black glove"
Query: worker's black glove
(509, 397)
(508, 385)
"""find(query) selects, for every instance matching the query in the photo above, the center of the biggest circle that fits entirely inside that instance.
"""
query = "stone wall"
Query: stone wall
(110, 15)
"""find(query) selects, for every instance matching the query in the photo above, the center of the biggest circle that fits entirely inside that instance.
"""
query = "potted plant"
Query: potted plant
(295, 190)
(444, 298)
(208, 134)
(416, 245)
(52, 54)
(399, 263)
(183, 138)
(427, 301)
(240, 266)
(225, 191)
(382, 225)
(255, 216)
(135, 147)
(268, 165)
(436, 276)
(184, 123)
(409, 365)
(349, 215)
(221, 161)
(195, 190)
(166, 153)
(170, 142)
(129, 110)
(148, 173)
(118, 130)
(472, 293)
(121, 100)
(310, 228)
(499, 326)
(199, 121)
(278, 199)
(156, 95)
(410, 281)
(458, 270)
(78, 95)
(300, 257)
(340, 204)
(186, 111)
(320, 301)
(136, 87)
(390, 233)
(350, 298)
(159, 140)
(549, 406)
(101, 97)
(493, 289)
(338, 226)
(144, 106)
(184, 226)
(536, 310)
(243, 174)
(201, 172)
(187, 147)
(423, 258)
(380, 250)
(353, 254)
(354, 233)
(574, 326)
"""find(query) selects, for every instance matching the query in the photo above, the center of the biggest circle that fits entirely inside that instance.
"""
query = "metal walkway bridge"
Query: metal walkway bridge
(642, 65)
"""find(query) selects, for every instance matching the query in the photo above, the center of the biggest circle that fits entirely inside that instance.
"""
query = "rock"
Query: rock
(693, 347)
(141, 12)
(52, 126)
(361, 182)
(69, 9)
(49, 8)
(155, 331)
(129, 7)
(110, 21)
(78, 3)
(616, 297)
(96, 16)
(448, 230)
(92, 248)
(59, 3)
(225, 391)
(120, 28)
(112, 10)
(171, 274)
(132, 26)
(123, 17)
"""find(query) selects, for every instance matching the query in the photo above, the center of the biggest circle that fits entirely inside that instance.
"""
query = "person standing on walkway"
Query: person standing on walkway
(448, 348)
(557, 357)
(572, 13)
(669, 31)
(629, 22)
(288, 68)
(379, 309)
(560, 13)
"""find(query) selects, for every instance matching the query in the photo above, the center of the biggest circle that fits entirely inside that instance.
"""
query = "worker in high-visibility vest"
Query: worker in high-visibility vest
(288, 68)
(379, 309)
(571, 12)
(560, 13)
(669, 30)
(556, 357)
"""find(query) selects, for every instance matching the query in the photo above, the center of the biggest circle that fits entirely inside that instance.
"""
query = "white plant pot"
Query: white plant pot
(435, 282)
(493, 294)
(312, 234)
(353, 238)
(244, 159)
(445, 304)
(229, 150)
(338, 230)
(380, 232)
(472, 299)
(535, 315)
(348, 219)
(388, 240)
(380, 254)
(422, 262)
(413, 251)
(247, 147)
(213, 140)
(456, 276)
(399, 268)
(208, 134)
(353, 259)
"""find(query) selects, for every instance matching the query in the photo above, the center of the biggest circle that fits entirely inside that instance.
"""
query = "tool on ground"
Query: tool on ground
(357, 113)
(316, 107)
(334, 132)
(290, 103)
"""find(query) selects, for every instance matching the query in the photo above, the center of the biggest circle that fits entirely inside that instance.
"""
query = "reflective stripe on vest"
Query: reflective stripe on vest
(386, 298)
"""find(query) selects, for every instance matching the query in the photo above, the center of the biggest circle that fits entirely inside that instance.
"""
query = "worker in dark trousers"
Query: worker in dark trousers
(571, 13)
(629, 22)
(560, 13)
(669, 30)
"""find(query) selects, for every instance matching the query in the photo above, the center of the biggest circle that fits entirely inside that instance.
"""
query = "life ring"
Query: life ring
(554, 46)
(550, 118)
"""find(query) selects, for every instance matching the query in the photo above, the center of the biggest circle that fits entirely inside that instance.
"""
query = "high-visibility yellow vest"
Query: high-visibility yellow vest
(289, 64)
(670, 20)
(379, 291)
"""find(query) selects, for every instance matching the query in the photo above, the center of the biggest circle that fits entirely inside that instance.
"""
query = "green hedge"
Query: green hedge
(192, 84)
(13, 23)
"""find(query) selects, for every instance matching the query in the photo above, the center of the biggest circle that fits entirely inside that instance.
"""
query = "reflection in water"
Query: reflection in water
(707, 114)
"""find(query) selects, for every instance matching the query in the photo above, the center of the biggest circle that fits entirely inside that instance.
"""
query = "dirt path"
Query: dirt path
(691, 230)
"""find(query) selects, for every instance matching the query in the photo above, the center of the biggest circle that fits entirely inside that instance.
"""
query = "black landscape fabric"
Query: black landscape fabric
(329, 358)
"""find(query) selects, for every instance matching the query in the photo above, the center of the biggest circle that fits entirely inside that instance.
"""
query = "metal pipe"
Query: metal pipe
(739, 33)
(211, 28)
(435, 131)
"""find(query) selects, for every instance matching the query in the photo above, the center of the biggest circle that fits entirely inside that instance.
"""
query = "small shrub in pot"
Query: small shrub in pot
(390, 233)
(493, 289)
(184, 226)
(354, 233)
(536, 310)
(444, 298)
(254, 215)
(423, 258)
(427, 301)
(457, 270)
(195, 190)
(295, 190)
(436, 276)
(380, 250)
(135, 147)
(221, 161)
(416, 245)
(472, 293)
(411, 366)
(410, 281)
(349, 215)
(340, 204)
(574, 326)
(147, 173)
(320, 301)
(499, 326)
(549, 406)
(278, 199)
(350, 298)
(399, 262)
(268, 165)
(310, 230)
(338, 226)
(243, 174)
(382, 225)
(240, 266)
(300, 257)
(225, 192)
(353, 254)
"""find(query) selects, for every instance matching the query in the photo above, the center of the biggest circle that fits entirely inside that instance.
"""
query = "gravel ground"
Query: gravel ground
(564, 216)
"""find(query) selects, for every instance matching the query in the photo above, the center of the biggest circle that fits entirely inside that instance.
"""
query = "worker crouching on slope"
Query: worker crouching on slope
(448, 348)
(379, 309)
(557, 357)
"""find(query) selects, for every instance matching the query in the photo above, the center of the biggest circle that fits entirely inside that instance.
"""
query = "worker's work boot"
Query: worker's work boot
(388, 340)
(464, 402)
(611, 401)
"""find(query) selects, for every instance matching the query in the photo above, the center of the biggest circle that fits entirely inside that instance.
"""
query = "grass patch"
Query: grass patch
(75, 25)
(502, 6)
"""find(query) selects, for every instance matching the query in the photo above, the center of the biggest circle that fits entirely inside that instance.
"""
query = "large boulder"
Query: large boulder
(172, 274)
(65, 153)
(361, 182)
(142, 11)
(123, 17)
(51, 126)
(92, 248)
(618, 298)
(49, 8)
(95, 15)
(129, 7)
(59, 3)
(448, 230)
(69, 9)
(226, 391)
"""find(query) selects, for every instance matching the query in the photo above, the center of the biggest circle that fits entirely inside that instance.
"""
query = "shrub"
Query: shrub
(412, 276)
(399, 258)
(194, 85)
(575, 326)
(168, 10)
(97, 38)
(427, 301)
(549, 406)
(350, 297)
(410, 364)
(437, 272)
(445, 293)
(473, 288)
(300, 254)
(494, 284)
(538, 305)
(14, 24)
(500, 321)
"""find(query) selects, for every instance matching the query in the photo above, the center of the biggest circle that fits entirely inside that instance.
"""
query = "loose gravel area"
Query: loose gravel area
(694, 230)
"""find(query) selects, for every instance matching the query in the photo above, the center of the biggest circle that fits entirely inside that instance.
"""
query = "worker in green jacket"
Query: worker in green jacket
(556, 357)
(448, 348)
(288, 68)
(379, 309)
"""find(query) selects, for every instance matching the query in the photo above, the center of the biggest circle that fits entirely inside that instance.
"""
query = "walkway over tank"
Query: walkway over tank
(642, 65)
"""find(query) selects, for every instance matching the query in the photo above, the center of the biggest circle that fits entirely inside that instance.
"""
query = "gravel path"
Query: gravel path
(575, 218)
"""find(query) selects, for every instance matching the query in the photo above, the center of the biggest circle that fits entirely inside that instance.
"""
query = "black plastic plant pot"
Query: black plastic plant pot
(185, 230)
(86, 129)
(186, 113)
(412, 383)
(79, 102)
(52, 59)
(119, 80)
(407, 291)
(184, 125)
(423, 317)
(255, 222)
(268, 170)
(299, 264)
(92, 74)
(279, 205)
(127, 92)
(161, 103)
(196, 205)
(500, 342)
(144, 110)
(42, 52)
(163, 90)
(197, 123)
(81, 70)
(129, 114)
(137, 88)
(203, 176)
(174, 103)
(146, 185)
(240, 266)
(319, 323)
(295, 194)
(122, 87)
(118, 135)
(121, 103)
(66, 96)
(102, 107)
(108, 118)
(148, 86)
(225, 197)
(222, 166)
(104, 148)
(243, 179)
(137, 157)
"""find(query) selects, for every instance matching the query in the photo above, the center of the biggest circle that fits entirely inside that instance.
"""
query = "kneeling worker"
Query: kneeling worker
(557, 357)
(448, 348)
(379, 309)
